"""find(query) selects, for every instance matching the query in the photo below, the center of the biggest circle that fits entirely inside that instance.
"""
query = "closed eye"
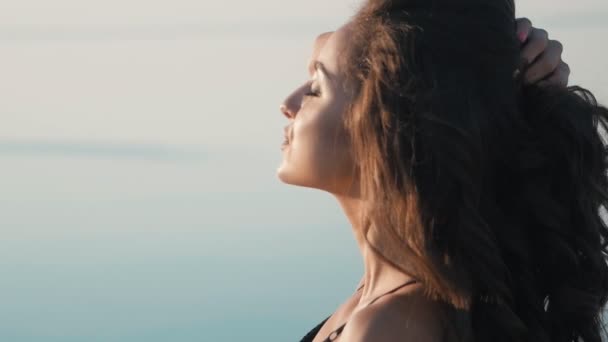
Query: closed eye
(312, 93)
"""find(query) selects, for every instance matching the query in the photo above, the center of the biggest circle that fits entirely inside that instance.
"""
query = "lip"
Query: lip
(287, 133)
(285, 143)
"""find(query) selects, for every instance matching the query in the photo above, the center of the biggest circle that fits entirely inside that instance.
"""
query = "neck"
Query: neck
(379, 276)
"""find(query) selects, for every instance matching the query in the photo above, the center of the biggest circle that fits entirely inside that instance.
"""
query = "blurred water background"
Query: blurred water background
(138, 147)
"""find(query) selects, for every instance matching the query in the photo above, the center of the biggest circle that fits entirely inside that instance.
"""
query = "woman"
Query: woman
(473, 194)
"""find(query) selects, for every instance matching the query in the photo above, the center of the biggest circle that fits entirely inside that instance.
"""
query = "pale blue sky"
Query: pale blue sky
(195, 71)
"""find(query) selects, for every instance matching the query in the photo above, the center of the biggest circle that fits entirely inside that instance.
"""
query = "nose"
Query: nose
(293, 102)
(290, 114)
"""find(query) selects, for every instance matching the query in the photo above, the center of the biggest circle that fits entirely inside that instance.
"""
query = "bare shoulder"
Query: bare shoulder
(399, 318)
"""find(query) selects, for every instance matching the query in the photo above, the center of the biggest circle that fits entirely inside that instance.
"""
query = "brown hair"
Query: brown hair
(486, 189)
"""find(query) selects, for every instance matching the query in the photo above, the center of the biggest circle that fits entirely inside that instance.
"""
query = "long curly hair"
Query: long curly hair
(488, 190)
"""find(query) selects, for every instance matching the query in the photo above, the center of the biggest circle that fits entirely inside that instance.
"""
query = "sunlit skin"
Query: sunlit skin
(318, 156)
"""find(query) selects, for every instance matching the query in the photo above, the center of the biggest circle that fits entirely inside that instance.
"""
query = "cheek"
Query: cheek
(319, 154)
(317, 130)
(320, 140)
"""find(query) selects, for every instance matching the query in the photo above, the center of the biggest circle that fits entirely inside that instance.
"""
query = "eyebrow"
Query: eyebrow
(318, 65)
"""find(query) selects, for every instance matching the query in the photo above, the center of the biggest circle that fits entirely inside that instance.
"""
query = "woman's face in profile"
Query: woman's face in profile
(316, 153)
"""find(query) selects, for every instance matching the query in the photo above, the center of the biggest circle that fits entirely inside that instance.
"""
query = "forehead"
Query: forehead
(320, 42)
(316, 49)
(327, 48)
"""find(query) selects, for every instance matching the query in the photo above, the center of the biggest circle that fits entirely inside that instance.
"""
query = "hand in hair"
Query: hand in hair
(543, 57)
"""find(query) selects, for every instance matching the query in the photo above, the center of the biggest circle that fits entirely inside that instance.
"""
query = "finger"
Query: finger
(536, 44)
(545, 63)
(524, 26)
(558, 77)
(566, 70)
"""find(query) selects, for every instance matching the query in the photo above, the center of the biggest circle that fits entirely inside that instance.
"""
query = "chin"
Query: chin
(282, 176)
(287, 175)
(284, 173)
(290, 175)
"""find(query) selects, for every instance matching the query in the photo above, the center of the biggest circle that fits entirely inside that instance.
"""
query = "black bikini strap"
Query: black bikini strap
(411, 281)
(334, 334)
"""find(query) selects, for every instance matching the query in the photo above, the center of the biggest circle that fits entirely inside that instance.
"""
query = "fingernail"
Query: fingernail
(522, 36)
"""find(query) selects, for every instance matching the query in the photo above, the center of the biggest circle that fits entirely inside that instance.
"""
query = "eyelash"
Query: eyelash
(313, 93)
